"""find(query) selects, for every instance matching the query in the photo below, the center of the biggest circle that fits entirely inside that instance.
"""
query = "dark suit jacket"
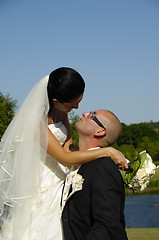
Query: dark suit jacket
(97, 211)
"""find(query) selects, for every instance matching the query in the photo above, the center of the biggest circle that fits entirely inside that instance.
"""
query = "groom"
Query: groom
(96, 212)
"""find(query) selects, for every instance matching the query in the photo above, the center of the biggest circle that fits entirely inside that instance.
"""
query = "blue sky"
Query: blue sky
(114, 44)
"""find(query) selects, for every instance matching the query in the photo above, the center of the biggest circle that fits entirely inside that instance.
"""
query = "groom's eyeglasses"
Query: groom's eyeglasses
(94, 118)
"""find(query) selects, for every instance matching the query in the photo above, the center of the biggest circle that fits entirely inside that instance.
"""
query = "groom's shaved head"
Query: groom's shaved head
(113, 127)
(100, 128)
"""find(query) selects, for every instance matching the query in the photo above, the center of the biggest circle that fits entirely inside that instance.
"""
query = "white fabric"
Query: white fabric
(46, 218)
(23, 152)
(46, 211)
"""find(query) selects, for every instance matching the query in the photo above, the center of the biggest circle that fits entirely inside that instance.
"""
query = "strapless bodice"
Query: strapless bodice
(59, 131)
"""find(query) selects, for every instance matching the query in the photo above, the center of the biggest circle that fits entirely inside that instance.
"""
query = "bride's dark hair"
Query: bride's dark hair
(65, 84)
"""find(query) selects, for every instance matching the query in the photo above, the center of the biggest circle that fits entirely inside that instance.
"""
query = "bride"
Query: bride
(35, 151)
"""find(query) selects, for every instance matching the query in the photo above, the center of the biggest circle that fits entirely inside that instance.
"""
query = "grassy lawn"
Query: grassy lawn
(143, 233)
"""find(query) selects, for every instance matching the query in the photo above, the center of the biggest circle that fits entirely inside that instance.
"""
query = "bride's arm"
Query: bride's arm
(79, 157)
(69, 147)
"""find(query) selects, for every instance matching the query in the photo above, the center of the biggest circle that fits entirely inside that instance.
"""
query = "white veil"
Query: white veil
(23, 149)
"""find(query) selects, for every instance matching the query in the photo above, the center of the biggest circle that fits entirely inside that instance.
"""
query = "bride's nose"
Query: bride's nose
(75, 106)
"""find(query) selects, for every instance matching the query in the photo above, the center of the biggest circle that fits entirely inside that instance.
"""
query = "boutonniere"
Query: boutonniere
(140, 171)
(76, 181)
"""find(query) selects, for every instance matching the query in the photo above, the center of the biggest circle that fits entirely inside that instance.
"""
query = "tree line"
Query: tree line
(8, 107)
(134, 138)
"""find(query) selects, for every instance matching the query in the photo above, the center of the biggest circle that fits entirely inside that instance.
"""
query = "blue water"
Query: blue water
(142, 211)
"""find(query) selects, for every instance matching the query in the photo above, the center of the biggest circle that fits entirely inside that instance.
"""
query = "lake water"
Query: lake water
(142, 211)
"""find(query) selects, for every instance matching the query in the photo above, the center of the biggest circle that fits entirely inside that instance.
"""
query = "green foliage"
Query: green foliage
(134, 133)
(139, 137)
(126, 136)
(73, 119)
(153, 125)
(153, 184)
(151, 146)
(128, 150)
(8, 107)
(134, 166)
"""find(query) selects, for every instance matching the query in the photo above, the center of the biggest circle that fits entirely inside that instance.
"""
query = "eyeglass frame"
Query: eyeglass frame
(94, 118)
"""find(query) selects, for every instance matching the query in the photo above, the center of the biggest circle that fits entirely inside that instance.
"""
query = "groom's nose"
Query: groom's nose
(85, 114)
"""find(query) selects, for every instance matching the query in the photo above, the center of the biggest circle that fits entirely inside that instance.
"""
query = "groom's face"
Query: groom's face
(87, 125)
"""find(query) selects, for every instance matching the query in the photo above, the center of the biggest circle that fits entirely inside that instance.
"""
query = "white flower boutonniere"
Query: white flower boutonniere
(140, 172)
(77, 182)
(74, 179)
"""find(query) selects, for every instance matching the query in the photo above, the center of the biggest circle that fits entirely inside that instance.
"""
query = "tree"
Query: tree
(73, 118)
(133, 134)
(152, 147)
(126, 136)
(127, 149)
(8, 107)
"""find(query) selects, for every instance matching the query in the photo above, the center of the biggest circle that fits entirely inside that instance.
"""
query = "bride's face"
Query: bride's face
(67, 107)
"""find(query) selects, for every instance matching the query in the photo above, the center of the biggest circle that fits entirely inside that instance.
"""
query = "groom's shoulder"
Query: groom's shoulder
(99, 168)
(105, 162)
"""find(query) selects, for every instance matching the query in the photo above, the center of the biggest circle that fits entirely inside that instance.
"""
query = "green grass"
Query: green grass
(143, 233)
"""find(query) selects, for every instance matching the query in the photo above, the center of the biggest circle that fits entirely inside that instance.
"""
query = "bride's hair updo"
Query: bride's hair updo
(65, 84)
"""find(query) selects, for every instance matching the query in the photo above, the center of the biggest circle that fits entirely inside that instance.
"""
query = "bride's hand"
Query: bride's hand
(118, 158)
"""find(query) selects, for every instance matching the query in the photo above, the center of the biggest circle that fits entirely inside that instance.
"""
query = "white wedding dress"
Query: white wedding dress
(30, 200)
(46, 215)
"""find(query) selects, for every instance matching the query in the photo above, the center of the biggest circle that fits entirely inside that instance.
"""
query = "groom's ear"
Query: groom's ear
(100, 133)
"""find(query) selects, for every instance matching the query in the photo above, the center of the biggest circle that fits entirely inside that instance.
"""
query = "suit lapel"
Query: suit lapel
(73, 183)
(70, 186)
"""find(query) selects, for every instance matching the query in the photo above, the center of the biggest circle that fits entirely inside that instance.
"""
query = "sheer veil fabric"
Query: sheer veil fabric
(23, 150)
